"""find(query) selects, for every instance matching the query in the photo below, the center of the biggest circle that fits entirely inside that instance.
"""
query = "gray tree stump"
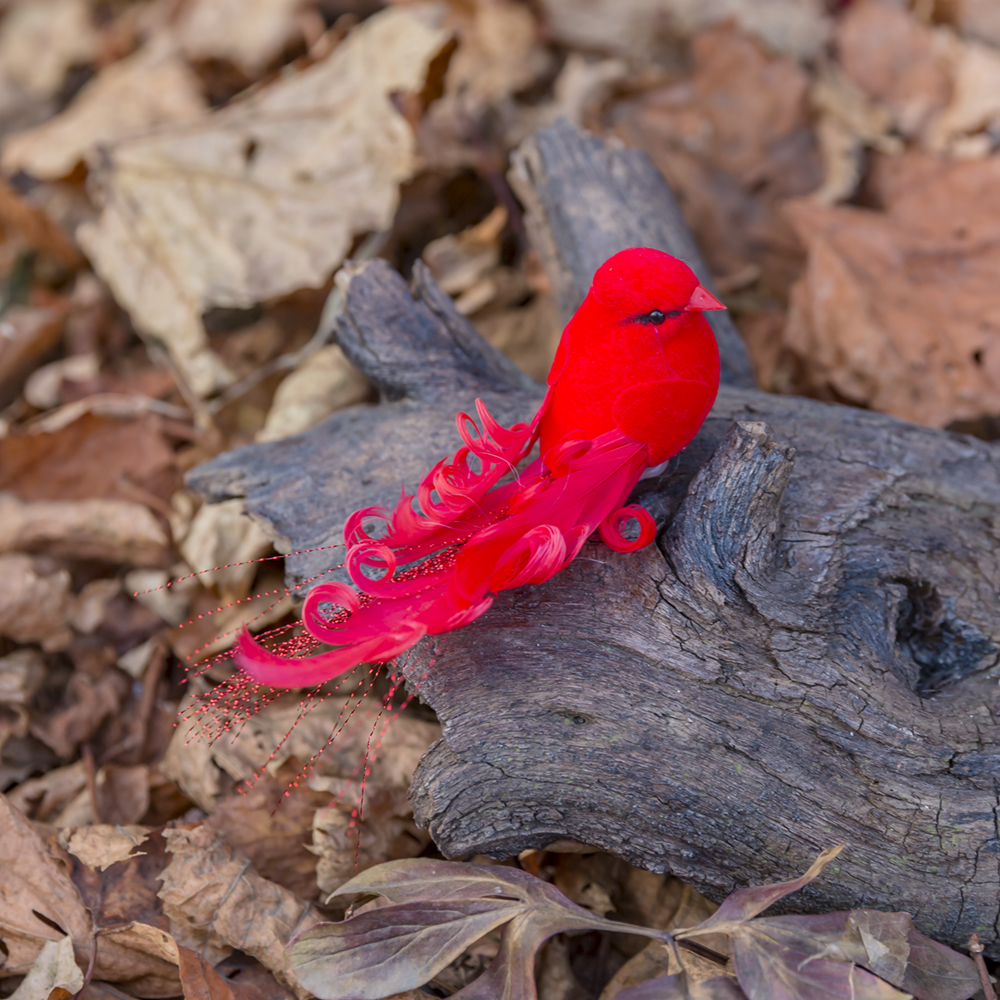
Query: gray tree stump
(807, 656)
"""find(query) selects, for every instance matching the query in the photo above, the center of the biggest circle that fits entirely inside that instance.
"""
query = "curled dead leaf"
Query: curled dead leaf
(262, 197)
(898, 310)
(38, 902)
(34, 601)
(55, 972)
(216, 902)
(117, 531)
(103, 845)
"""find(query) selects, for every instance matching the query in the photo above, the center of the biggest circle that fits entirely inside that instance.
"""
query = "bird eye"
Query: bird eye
(657, 316)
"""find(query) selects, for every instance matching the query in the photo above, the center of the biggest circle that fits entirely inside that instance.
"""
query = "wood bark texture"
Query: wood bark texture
(807, 656)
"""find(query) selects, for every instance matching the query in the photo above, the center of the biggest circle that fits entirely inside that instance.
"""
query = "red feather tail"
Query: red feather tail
(480, 536)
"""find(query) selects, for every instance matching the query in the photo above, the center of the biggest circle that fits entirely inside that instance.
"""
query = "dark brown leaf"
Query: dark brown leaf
(775, 967)
(418, 889)
(202, 982)
(676, 987)
(747, 903)
(379, 952)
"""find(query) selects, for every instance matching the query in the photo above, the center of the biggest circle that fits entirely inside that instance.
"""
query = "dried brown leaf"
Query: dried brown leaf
(202, 982)
(102, 846)
(223, 534)
(38, 902)
(203, 768)
(55, 971)
(216, 901)
(734, 141)
(979, 19)
(271, 823)
(637, 28)
(34, 601)
(901, 64)
(323, 384)
(28, 334)
(265, 196)
(89, 702)
(93, 457)
(898, 310)
(42, 799)
(388, 832)
(151, 88)
(109, 530)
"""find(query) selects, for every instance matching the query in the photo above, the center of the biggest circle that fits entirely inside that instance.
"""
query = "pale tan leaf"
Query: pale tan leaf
(323, 384)
(54, 969)
(41, 39)
(117, 531)
(265, 196)
(222, 534)
(151, 88)
(249, 33)
(34, 601)
(103, 845)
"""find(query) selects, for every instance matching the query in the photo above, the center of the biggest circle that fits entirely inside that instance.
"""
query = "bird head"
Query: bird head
(649, 287)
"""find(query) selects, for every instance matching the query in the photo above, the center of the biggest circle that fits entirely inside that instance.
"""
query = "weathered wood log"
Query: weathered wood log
(807, 656)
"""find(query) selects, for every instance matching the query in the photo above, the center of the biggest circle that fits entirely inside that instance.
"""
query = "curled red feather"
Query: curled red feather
(635, 375)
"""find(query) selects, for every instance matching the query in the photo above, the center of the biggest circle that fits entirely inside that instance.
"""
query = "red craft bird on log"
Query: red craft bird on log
(635, 375)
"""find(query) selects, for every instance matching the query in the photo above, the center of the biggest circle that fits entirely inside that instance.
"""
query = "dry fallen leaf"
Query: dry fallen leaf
(249, 33)
(216, 901)
(265, 196)
(87, 703)
(92, 457)
(36, 897)
(103, 845)
(979, 19)
(34, 601)
(734, 141)
(42, 799)
(202, 767)
(636, 28)
(151, 88)
(271, 822)
(387, 833)
(903, 65)
(27, 335)
(54, 975)
(40, 40)
(964, 127)
(116, 531)
(222, 535)
(899, 310)
(323, 384)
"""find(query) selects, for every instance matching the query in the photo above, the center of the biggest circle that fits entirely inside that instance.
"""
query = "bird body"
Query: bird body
(636, 372)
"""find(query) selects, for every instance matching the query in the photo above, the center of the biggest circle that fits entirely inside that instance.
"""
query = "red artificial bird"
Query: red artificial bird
(636, 372)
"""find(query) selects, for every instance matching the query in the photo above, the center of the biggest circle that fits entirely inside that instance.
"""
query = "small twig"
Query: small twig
(332, 309)
(90, 773)
(976, 950)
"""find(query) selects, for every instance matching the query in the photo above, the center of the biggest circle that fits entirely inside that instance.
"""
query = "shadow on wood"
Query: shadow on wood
(807, 656)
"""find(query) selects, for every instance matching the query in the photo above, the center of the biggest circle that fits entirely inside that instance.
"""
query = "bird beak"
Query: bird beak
(702, 299)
